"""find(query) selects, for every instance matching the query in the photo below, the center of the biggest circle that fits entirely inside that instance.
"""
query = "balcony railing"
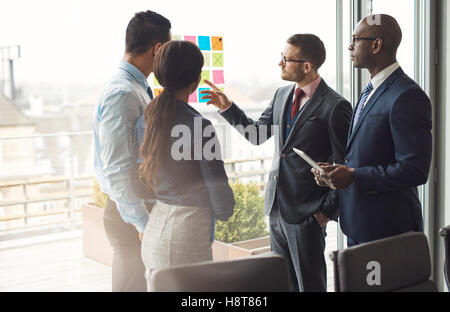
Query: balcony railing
(31, 202)
(69, 195)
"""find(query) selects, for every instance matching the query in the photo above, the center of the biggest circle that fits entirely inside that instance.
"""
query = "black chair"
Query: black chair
(445, 233)
(265, 273)
(402, 263)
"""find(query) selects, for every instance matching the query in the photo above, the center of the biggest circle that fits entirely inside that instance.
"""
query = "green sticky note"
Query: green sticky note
(205, 75)
(206, 59)
(217, 59)
(176, 37)
(155, 81)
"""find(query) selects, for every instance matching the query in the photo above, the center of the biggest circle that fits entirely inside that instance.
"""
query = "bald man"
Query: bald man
(389, 145)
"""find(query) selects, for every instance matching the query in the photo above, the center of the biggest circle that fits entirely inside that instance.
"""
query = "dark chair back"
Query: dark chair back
(265, 273)
(445, 233)
(398, 263)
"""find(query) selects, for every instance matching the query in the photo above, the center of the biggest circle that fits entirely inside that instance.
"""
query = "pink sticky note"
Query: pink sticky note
(191, 39)
(218, 76)
(193, 97)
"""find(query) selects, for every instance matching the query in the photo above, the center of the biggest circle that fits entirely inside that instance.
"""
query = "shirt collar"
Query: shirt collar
(384, 74)
(135, 72)
(311, 88)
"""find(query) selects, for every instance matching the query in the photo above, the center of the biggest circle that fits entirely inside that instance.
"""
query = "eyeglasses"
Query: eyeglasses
(284, 60)
(356, 39)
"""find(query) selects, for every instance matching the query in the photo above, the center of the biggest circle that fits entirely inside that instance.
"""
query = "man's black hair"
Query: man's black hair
(144, 30)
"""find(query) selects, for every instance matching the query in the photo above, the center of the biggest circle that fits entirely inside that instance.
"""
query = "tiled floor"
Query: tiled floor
(59, 266)
(52, 266)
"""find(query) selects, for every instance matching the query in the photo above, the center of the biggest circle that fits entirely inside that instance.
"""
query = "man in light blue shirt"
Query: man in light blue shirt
(118, 130)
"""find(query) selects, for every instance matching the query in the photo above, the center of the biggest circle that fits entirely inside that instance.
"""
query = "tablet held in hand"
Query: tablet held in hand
(308, 160)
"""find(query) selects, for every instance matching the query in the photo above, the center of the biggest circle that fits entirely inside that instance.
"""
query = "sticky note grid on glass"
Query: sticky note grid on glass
(213, 67)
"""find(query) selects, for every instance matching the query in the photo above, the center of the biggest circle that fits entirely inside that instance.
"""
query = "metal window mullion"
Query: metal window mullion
(339, 46)
(72, 181)
(358, 78)
(339, 81)
(25, 206)
(427, 72)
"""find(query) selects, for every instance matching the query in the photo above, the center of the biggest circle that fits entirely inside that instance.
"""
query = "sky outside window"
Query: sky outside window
(80, 42)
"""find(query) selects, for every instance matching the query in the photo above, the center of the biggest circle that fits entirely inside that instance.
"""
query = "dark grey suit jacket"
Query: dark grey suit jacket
(320, 131)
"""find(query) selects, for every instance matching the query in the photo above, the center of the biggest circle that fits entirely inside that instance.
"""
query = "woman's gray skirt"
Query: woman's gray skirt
(176, 235)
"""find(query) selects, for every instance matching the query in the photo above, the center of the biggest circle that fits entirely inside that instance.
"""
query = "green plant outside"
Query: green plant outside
(248, 220)
(100, 198)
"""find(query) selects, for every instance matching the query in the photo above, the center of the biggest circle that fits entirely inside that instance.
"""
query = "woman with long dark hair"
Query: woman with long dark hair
(182, 167)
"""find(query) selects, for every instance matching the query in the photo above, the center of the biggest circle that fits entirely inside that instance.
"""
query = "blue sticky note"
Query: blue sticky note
(204, 43)
(200, 95)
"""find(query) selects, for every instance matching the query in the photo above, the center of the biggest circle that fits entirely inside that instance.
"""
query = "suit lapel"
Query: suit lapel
(286, 101)
(381, 89)
(312, 105)
(350, 132)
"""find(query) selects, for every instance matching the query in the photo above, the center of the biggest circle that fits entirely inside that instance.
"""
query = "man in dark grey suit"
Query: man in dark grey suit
(312, 117)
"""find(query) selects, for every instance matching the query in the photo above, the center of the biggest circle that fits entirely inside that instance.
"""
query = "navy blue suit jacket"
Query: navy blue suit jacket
(390, 149)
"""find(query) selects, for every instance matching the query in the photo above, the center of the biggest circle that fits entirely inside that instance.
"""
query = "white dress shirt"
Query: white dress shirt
(381, 77)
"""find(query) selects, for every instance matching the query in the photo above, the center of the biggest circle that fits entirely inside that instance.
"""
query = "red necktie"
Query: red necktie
(299, 93)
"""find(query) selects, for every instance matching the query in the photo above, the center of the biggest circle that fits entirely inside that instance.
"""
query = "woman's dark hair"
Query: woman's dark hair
(177, 65)
(144, 30)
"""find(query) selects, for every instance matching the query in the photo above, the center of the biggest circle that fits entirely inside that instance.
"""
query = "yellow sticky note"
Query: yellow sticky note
(206, 59)
(157, 91)
(155, 81)
(205, 76)
(217, 59)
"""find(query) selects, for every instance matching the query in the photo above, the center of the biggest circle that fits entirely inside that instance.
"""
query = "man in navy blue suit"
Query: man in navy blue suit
(389, 145)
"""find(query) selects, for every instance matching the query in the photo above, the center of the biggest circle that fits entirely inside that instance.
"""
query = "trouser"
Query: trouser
(303, 246)
(128, 271)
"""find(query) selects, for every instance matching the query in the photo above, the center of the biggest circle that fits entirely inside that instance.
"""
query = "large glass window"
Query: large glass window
(70, 49)
(403, 11)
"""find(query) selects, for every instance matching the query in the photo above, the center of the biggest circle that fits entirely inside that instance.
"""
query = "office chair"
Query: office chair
(399, 263)
(265, 273)
(445, 233)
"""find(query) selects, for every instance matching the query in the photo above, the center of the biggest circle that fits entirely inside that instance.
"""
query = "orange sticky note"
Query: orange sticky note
(157, 91)
(217, 43)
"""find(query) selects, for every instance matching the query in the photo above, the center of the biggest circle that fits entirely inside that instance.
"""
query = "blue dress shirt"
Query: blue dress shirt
(118, 131)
